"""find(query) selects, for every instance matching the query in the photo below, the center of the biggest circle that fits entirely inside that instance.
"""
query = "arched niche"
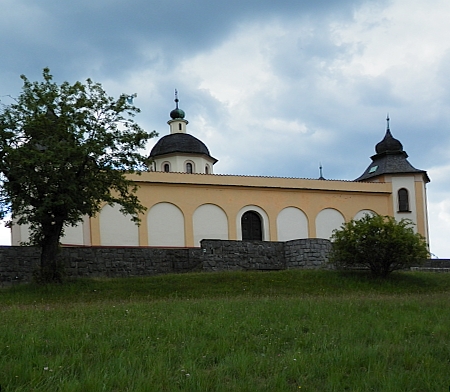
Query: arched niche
(264, 221)
(327, 221)
(189, 167)
(361, 214)
(251, 226)
(292, 223)
(165, 223)
(210, 222)
(73, 235)
(117, 229)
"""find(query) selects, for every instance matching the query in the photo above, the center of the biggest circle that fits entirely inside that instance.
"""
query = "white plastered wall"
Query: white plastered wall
(178, 163)
(20, 234)
(210, 222)
(165, 223)
(292, 223)
(424, 205)
(117, 229)
(407, 182)
(16, 234)
(327, 221)
(361, 214)
(175, 126)
(73, 235)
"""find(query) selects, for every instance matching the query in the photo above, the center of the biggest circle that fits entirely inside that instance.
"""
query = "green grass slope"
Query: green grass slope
(253, 331)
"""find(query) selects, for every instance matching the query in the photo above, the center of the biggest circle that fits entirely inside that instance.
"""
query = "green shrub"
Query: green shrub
(379, 243)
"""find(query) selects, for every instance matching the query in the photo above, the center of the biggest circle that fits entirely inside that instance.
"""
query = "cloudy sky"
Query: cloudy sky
(272, 87)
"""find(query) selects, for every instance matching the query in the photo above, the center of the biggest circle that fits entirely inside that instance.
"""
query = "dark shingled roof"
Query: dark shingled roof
(180, 143)
(390, 159)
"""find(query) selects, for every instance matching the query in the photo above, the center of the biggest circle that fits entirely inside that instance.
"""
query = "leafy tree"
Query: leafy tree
(379, 243)
(65, 150)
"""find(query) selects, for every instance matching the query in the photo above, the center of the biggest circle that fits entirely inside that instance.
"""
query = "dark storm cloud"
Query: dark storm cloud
(110, 37)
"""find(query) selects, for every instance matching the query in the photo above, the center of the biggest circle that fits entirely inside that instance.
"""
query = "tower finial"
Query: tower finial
(320, 171)
(176, 98)
(177, 113)
(387, 121)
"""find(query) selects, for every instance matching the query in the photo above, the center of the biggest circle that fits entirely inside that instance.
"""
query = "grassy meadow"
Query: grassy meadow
(243, 331)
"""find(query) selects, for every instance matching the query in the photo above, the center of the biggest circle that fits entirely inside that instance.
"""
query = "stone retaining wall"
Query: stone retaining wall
(310, 253)
(436, 263)
(220, 255)
(17, 263)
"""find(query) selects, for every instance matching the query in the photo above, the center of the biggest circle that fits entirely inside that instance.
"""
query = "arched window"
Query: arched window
(403, 200)
(206, 169)
(251, 226)
(166, 167)
(180, 127)
(189, 167)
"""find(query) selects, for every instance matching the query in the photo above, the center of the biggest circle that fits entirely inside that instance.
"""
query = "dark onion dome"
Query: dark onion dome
(180, 143)
(389, 143)
(390, 159)
(177, 114)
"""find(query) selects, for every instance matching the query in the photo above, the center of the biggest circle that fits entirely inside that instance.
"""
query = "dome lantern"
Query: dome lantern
(177, 122)
(179, 151)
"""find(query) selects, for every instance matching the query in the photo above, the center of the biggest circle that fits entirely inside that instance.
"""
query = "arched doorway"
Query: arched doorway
(251, 226)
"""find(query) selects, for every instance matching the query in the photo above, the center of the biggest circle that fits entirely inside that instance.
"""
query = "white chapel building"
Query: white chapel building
(186, 202)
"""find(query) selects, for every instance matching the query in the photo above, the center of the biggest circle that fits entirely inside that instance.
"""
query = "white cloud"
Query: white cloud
(239, 68)
(405, 41)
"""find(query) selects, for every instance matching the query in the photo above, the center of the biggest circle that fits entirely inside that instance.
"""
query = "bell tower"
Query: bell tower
(408, 198)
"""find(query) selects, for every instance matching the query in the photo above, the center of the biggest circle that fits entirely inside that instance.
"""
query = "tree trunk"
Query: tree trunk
(51, 270)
